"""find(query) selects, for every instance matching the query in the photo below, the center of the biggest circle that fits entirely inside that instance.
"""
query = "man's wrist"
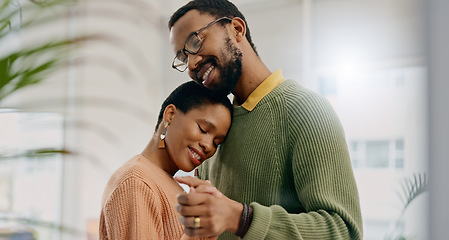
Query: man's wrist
(236, 217)
(245, 220)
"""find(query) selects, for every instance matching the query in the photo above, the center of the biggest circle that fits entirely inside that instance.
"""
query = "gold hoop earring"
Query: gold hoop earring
(162, 137)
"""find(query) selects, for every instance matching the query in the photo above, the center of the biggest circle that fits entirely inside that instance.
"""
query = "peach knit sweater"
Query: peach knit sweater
(138, 203)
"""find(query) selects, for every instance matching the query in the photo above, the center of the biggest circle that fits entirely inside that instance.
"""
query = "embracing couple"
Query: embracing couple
(281, 169)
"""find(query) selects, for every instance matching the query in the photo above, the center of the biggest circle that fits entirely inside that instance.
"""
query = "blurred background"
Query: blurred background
(82, 83)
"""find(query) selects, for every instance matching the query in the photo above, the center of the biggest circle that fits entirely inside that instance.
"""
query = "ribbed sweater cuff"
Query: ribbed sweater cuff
(261, 222)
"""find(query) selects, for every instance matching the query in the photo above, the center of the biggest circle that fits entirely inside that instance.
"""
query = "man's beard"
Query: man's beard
(230, 71)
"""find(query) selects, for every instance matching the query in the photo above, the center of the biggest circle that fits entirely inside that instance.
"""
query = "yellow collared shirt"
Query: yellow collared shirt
(263, 89)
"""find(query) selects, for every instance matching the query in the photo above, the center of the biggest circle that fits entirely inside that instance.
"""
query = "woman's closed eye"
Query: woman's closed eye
(201, 129)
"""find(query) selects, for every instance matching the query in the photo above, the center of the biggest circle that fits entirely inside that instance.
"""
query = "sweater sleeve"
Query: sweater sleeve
(132, 212)
(323, 179)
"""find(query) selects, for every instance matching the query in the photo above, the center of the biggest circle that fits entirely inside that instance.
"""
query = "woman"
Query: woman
(139, 199)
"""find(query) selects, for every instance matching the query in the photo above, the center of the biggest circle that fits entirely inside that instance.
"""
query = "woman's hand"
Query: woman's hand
(207, 207)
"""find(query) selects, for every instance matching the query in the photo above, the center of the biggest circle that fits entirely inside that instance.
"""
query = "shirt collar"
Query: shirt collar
(270, 83)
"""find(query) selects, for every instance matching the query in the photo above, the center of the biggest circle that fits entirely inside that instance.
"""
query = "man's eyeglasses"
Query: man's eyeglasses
(192, 46)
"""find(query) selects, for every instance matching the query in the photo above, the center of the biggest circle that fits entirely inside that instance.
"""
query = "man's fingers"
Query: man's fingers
(192, 204)
(190, 221)
(192, 229)
(191, 211)
(192, 198)
(191, 181)
(207, 189)
(199, 186)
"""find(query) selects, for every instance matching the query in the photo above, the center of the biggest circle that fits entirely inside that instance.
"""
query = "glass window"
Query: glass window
(30, 184)
(377, 154)
(399, 144)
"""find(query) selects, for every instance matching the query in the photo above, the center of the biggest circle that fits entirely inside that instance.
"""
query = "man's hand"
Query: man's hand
(216, 212)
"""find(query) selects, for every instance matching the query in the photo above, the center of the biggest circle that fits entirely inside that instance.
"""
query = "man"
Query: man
(284, 168)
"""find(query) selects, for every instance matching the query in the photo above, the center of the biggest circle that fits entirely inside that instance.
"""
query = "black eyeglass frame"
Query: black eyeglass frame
(184, 50)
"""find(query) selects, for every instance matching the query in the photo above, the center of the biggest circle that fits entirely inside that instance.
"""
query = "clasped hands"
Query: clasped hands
(205, 211)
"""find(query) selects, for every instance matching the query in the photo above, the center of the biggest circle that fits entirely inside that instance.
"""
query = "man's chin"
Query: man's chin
(199, 81)
(208, 83)
(220, 90)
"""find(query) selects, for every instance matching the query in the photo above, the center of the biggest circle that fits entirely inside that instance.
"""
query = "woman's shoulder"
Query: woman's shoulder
(139, 168)
(134, 168)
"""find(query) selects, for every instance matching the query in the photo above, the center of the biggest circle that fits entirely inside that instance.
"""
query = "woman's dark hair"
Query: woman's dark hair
(191, 95)
(216, 8)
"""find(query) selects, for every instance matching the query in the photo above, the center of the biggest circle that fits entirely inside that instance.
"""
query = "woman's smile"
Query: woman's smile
(196, 157)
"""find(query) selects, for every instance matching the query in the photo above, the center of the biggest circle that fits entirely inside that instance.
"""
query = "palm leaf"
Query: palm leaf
(412, 188)
(30, 66)
(40, 152)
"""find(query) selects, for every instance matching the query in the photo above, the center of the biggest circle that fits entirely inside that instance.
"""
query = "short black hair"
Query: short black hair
(216, 8)
(191, 95)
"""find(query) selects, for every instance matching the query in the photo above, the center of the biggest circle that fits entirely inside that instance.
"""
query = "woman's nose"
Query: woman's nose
(207, 144)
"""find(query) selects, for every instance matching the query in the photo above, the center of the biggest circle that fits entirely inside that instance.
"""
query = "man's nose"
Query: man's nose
(193, 61)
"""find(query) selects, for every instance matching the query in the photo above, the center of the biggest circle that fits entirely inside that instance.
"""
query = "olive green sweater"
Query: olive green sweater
(288, 158)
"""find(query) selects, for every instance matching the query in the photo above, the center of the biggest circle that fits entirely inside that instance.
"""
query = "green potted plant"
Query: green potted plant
(29, 64)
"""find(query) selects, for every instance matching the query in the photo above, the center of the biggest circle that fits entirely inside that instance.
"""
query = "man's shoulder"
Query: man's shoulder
(304, 106)
(293, 94)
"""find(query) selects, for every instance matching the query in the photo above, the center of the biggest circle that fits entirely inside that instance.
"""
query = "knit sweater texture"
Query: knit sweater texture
(139, 203)
(289, 160)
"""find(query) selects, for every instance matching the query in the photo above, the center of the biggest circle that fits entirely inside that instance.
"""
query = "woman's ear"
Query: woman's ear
(169, 113)
(239, 28)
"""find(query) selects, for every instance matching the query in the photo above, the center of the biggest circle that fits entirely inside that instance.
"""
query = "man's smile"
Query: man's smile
(205, 74)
